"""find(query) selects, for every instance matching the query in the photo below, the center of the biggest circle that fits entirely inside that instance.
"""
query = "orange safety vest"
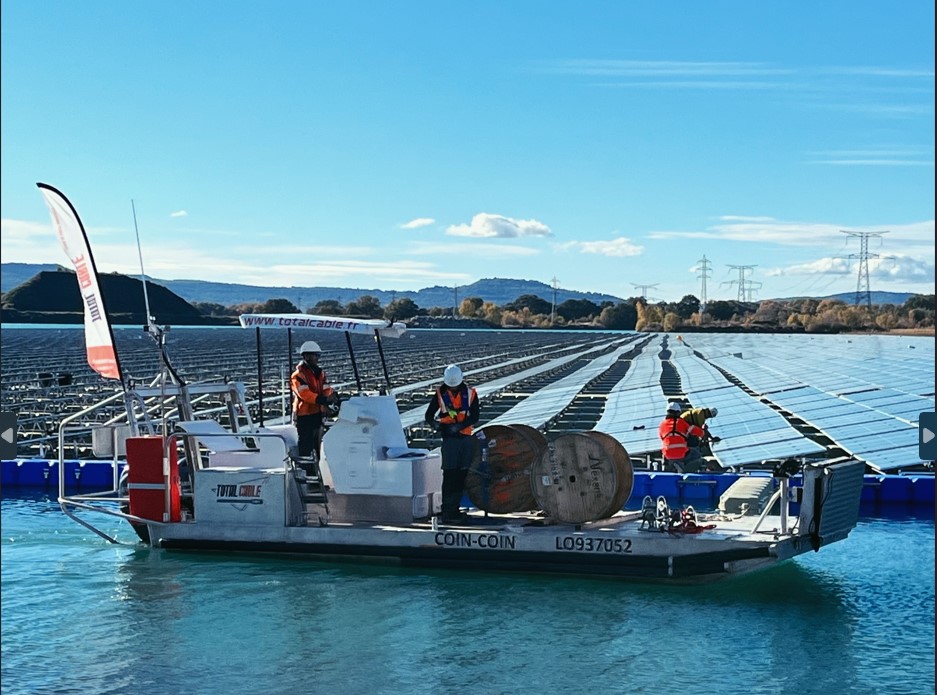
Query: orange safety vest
(455, 407)
(673, 432)
(307, 388)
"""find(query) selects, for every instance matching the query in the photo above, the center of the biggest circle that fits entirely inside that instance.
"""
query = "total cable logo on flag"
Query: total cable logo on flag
(98, 338)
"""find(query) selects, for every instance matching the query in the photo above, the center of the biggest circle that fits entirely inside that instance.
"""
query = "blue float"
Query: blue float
(35, 473)
(699, 489)
(895, 488)
(871, 488)
(10, 474)
(98, 475)
(922, 489)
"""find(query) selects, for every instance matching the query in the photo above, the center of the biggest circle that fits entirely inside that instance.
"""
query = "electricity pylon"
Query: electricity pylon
(645, 288)
(862, 282)
(746, 287)
(704, 274)
(555, 283)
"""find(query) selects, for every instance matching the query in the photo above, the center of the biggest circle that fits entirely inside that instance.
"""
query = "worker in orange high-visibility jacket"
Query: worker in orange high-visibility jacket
(312, 396)
(675, 433)
(454, 410)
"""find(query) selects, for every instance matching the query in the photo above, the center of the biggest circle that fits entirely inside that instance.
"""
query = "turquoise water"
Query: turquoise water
(83, 616)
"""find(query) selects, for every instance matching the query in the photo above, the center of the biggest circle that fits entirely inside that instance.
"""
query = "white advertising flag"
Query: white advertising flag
(99, 339)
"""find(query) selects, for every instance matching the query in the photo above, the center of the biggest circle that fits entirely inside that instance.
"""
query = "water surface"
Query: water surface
(83, 616)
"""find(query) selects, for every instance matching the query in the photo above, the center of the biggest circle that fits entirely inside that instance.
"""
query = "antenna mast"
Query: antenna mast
(150, 322)
(158, 332)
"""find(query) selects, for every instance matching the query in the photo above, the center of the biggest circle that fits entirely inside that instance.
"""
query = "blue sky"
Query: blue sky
(379, 145)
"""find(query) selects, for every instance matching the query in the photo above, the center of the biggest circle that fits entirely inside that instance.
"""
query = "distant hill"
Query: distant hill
(897, 298)
(15, 274)
(497, 290)
(53, 297)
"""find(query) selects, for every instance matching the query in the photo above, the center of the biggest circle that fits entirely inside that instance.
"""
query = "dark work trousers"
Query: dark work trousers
(457, 455)
(691, 463)
(309, 429)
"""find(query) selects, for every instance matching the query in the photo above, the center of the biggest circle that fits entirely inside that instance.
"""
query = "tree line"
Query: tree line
(633, 314)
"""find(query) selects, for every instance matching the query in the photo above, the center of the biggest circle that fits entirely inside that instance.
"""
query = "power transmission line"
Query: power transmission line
(863, 292)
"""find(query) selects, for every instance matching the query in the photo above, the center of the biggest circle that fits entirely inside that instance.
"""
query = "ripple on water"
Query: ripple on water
(105, 618)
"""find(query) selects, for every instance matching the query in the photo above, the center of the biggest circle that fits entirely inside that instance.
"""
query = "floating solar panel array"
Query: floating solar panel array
(636, 404)
(864, 393)
(415, 415)
(778, 395)
(750, 429)
(540, 407)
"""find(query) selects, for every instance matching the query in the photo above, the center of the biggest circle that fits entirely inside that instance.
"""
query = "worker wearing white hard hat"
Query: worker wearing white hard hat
(312, 396)
(454, 410)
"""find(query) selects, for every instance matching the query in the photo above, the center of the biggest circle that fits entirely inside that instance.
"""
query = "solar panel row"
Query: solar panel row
(863, 394)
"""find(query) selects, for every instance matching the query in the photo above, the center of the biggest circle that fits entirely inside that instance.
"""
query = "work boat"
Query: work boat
(206, 477)
(202, 475)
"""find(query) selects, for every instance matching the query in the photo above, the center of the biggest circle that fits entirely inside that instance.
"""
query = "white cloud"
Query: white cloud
(660, 68)
(476, 250)
(619, 248)
(902, 269)
(820, 265)
(809, 234)
(873, 163)
(873, 71)
(485, 225)
(279, 250)
(418, 222)
(179, 213)
(745, 218)
(358, 273)
(897, 269)
(877, 156)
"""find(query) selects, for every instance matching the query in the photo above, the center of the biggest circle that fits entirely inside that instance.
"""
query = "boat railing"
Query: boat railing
(95, 502)
(66, 425)
(782, 493)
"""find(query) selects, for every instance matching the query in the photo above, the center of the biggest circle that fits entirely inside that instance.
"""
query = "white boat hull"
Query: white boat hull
(617, 547)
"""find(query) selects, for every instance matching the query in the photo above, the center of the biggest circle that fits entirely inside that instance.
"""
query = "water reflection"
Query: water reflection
(104, 618)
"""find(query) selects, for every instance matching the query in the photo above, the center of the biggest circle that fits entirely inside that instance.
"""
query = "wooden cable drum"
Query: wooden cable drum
(623, 464)
(581, 477)
(499, 478)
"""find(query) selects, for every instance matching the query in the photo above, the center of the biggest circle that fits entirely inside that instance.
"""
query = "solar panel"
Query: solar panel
(768, 450)
(848, 430)
(858, 417)
(908, 411)
(885, 383)
(866, 443)
(538, 408)
(891, 459)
